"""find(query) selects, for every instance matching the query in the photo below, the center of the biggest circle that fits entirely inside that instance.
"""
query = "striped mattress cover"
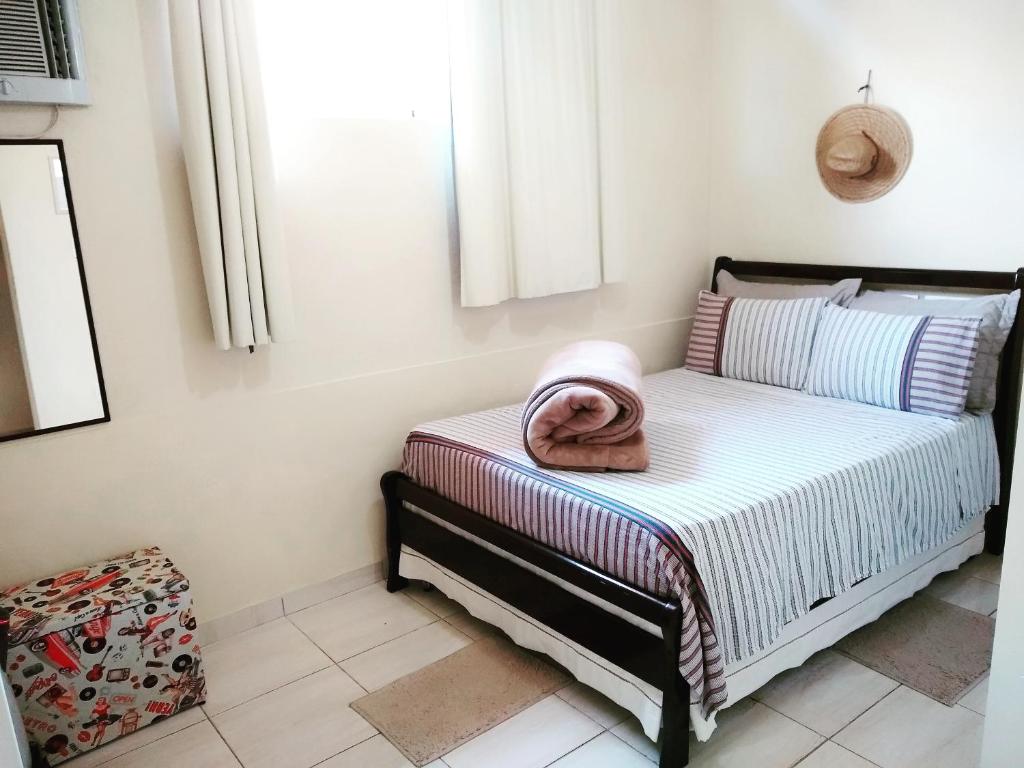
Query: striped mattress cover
(759, 501)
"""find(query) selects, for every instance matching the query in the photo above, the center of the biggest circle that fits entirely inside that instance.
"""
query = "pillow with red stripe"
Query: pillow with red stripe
(763, 340)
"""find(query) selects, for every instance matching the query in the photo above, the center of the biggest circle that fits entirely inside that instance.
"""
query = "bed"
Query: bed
(770, 524)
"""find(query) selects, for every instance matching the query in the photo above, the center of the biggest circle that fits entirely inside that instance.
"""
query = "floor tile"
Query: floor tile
(976, 698)
(472, 626)
(749, 733)
(376, 752)
(197, 746)
(828, 692)
(140, 738)
(594, 705)
(965, 591)
(373, 753)
(432, 599)
(831, 755)
(245, 666)
(361, 620)
(633, 734)
(377, 667)
(296, 726)
(606, 751)
(533, 738)
(985, 566)
(908, 730)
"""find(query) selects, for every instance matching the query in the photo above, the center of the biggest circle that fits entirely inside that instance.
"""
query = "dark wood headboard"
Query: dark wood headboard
(1009, 387)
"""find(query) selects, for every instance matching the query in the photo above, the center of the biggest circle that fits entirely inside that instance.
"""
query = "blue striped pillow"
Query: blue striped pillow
(907, 363)
(762, 340)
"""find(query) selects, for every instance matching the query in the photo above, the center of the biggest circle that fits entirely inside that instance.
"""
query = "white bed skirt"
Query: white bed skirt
(819, 629)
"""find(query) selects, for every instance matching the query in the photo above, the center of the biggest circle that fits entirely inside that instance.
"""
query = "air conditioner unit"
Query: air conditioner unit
(41, 58)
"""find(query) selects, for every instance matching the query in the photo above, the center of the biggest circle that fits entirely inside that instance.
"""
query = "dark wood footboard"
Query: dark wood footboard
(653, 659)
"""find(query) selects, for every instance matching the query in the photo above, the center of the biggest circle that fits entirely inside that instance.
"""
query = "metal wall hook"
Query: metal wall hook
(866, 88)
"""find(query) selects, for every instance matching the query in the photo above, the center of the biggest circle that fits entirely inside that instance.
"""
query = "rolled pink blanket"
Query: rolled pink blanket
(585, 412)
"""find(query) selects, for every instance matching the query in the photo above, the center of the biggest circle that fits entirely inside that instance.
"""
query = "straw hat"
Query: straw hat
(863, 152)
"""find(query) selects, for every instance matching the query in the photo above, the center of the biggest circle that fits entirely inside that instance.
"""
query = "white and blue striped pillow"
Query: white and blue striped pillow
(907, 363)
(762, 340)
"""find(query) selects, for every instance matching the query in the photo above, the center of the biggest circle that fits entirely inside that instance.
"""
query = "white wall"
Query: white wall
(259, 472)
(49, 305)
(952, 68)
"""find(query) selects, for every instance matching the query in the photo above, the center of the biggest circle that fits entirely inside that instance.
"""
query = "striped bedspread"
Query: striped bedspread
(759, 501)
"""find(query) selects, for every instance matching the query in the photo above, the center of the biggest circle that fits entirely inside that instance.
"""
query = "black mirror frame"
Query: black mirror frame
(85, 297)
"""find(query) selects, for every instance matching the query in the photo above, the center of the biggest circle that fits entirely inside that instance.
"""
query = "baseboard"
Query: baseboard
(252, 616)
(328, 590)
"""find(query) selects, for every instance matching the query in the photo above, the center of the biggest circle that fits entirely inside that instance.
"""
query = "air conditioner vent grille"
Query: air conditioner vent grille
(58, 44)
(23, 42)
(41, 53)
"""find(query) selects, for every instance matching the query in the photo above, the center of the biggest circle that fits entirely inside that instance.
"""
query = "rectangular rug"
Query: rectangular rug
(934, 647)
(432, 711)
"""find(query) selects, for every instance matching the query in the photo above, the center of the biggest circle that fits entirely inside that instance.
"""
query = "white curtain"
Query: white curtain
(230, 174)
(531, 99)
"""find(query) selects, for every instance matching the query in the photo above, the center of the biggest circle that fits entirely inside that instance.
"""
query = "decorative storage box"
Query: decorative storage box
(99, 652)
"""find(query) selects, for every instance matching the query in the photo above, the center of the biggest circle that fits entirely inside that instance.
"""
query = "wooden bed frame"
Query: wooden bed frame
(652, 659)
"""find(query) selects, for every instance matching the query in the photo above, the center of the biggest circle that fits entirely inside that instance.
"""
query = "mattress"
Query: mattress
(759, 502)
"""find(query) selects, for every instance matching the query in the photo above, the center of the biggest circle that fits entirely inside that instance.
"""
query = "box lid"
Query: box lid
(90, 593)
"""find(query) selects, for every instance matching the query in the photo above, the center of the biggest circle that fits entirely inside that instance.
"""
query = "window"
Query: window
(362, 59)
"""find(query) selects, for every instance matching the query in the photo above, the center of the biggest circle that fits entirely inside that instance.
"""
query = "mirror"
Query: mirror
(50, 376)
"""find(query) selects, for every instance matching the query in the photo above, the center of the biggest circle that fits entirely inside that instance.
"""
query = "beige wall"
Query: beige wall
(952, 68)
(258, 472)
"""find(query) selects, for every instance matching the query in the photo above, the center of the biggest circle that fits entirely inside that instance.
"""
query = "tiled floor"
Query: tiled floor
(279, 698)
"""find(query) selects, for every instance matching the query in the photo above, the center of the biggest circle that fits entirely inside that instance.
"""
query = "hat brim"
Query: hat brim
(890, 133)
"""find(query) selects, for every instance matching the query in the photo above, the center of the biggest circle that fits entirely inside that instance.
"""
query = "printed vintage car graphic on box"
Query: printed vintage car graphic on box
(99, 652)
